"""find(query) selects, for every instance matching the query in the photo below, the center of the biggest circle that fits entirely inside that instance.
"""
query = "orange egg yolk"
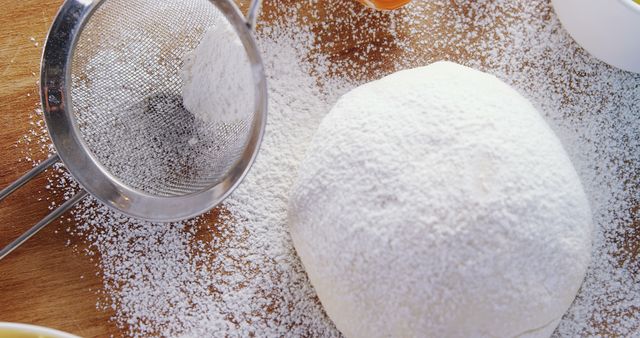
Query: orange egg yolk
(385, 4)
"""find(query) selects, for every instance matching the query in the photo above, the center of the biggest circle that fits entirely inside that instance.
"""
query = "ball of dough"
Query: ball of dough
(436, 202)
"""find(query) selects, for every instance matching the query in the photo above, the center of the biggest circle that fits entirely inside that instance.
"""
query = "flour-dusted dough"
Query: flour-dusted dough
(436, 202)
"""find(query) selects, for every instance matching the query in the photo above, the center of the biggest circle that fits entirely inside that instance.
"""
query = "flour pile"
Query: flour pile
(240, 276)
(218, 84)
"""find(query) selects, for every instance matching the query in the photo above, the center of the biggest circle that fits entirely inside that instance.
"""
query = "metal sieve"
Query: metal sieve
(112, 101)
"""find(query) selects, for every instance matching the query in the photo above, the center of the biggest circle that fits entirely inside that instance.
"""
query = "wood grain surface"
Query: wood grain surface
(46, 281)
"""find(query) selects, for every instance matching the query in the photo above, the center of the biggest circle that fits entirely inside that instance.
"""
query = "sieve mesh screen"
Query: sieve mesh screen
(126, 92)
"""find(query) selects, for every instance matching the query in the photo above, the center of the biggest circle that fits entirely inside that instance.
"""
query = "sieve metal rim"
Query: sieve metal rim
(57, 106)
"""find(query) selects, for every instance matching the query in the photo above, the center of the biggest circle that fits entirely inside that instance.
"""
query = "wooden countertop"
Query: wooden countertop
(46, 281)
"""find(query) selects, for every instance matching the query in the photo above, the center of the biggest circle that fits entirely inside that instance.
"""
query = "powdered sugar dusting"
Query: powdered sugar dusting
(240, 276)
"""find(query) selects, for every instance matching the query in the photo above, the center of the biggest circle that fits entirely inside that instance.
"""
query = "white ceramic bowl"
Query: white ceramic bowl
(608, 29)
(10, 330)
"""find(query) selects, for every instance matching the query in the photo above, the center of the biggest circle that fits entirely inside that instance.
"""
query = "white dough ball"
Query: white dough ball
(436, 202)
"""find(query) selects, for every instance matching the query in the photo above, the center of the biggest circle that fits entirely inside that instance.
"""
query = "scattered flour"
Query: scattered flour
(218, 84)
(240, 276)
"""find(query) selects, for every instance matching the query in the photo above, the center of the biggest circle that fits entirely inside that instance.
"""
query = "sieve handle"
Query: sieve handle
(47, 219)
(28, 176)
(252, 15)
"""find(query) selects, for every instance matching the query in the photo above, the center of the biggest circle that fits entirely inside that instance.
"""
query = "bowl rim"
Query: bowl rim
(632, 5)
(35, 329)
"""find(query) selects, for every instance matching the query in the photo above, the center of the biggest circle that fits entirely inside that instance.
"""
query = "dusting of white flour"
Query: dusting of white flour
(240, 276)
(218, 84)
